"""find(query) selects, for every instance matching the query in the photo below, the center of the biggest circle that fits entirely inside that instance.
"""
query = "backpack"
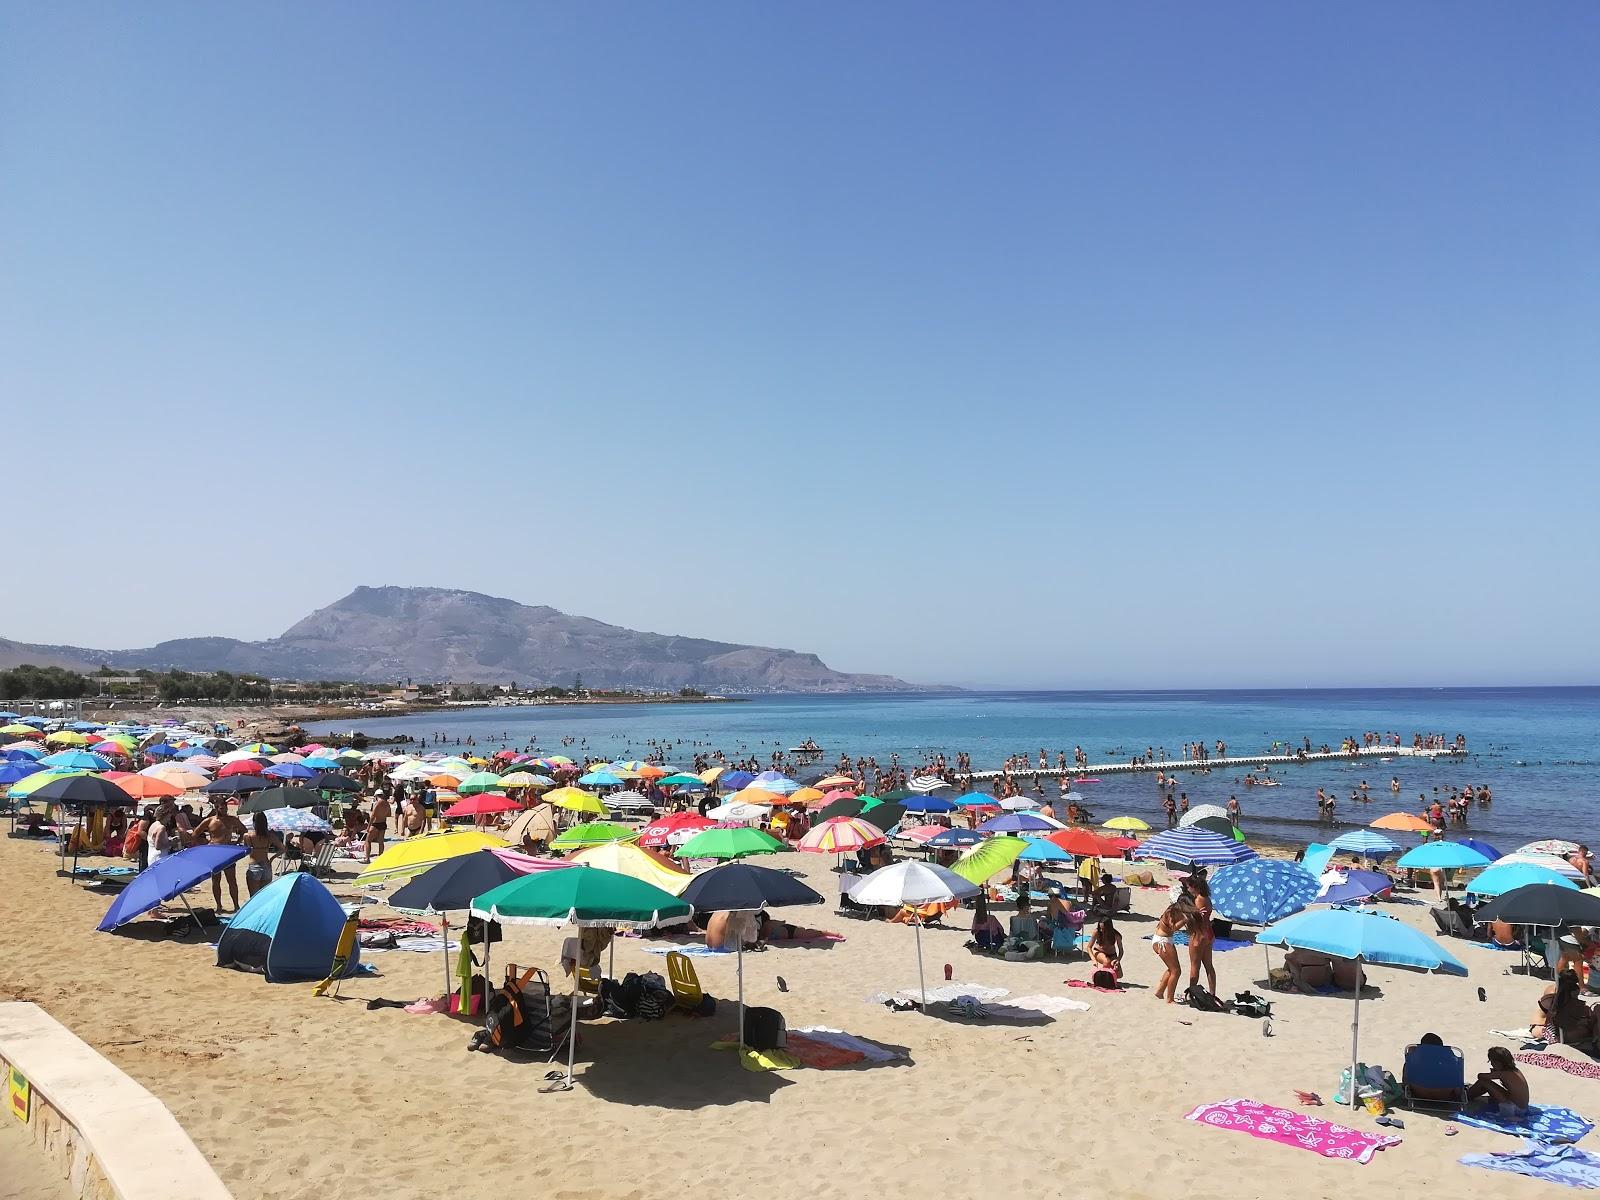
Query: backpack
(512, 1019)
(1202, 1001)
(764, 1029)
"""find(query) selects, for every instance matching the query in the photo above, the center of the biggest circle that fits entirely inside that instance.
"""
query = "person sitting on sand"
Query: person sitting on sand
(1105, 948)
(1502, 1085)
(1171, 922)
(1562, 1016)
(987, 932)
(1105, 895)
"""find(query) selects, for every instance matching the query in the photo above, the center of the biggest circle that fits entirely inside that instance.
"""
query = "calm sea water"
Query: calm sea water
(1537, 748)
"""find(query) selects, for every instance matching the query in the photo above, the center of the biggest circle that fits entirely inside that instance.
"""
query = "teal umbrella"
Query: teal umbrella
(584, 896)
(481, 781)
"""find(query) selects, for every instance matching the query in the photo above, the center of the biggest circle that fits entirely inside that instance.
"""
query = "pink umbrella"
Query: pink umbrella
(841, 835)
(923, 833)
(482, 804)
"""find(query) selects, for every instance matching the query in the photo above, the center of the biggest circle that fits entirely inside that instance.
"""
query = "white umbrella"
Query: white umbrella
(927, 783)
(1018, 803)
(1549, 862)
(1201, 813)
(914, 884)
(738, 810)
(628, 800)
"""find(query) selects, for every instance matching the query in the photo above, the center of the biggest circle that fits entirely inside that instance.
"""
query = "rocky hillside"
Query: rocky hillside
(430, 634)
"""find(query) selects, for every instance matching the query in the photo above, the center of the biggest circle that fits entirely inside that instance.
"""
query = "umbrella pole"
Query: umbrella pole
(741, 992)
(485, 976)
(572, 1030)
(446, 939)
(192, 913)
(922, 983)
(1355, 1036)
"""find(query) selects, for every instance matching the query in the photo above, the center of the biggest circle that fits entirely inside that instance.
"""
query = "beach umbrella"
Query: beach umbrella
(1016, 823)
(841, 835)
(537, 824)
(147, 787)
(673, 829)
(928, 804)
(584, 897)
(989, 857)
(233, 785)
(955, 839)
(13, 771)
(1553, 846)
(320, 762)
(285, 758)
(1200, 812)
(268, 799)
(292, 770)
(240, 766)
(740, 887)
(76, 760)
(977, 800)
(1218, 825)
(1347, 887)
(846, 806)
(81, 790)
(185, 775)
(913, 884)
(600, 779)
(16, 729)
(415, 855)
(1083, 842)
(628, 802)
(732, 780)
(450, 886)
(654, 770)
(258, 748)
(692, 783)
(1361, 936)
(333, 781)
(735, 812)
(1506, 877)
(634, 861)
(776, 782)
(524, 779)
(169, 878)
(296, 820)
(1364, 842)
(1441, 856)
(1016, 803)
(1129, 823)
(1044, 850)
(1544, 904)
(593, 833)
(18, 751)
(576, 800)
(40, 779)
(1482, 847)
(836, 781)
(729, 844)
(66, 737)
(1547, 862)
(920, 835)
(1195, 847)
(1262, 890)
(482, 804)
(1402, 822)
(807, 796)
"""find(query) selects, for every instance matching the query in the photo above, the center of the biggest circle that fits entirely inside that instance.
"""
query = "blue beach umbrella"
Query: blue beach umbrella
(1442, 856)
(1017, 822)
(924, 804)
(775, 782)
(954, 839)
(1044, 850)
(1364, 842)
(1508, 877)
(11, 770)
(169, 878)
(166, 750)
(733, 781)
(1483, 848)
(290, 771)
(321, 762)
(30, 753)
(1262, 890)
(1195, 847)
(296, 820)
(77, 760)
(1361, 936)
(600, 779)
(1356, 885)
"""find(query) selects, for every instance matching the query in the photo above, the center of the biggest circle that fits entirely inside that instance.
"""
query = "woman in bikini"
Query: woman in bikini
(261, 842)
(1172, 920)
(1106, 948)
(1202, 940)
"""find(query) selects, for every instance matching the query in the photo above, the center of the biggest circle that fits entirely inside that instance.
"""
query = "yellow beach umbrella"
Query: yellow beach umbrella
(20, 730)
(1133, 823)
(805, 795)
(577, 800)
(66, 737)
(417, 854)
(835, 781)
(711, 775)
(627, 858)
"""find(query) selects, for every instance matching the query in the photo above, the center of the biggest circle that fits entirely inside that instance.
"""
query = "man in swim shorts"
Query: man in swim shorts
(220, 828)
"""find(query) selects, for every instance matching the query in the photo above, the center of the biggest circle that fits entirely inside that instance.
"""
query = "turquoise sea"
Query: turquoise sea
(1538, 749)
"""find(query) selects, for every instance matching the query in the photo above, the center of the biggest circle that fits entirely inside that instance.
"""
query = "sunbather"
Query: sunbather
(986, 929)
(1105, 948)
(1502, 1085)
(1562, 1016)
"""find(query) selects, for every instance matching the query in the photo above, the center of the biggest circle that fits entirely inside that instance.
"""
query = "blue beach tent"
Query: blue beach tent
(287, 931)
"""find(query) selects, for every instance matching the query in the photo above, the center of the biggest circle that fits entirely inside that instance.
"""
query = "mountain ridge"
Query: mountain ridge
(427, 634)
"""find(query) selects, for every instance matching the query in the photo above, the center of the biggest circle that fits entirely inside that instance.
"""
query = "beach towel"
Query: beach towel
(1566, 1165)
(1047, 1005)
(420, 945)
(689, 949)
(944, 991)
(1517, 1035)
(1547, 1122)
(871, 1051)
(1583, 1070)
(807, 935)
(1084, 983)
(1221, 945)
(820, 1055)
(759, 1060)
(1291, 1128)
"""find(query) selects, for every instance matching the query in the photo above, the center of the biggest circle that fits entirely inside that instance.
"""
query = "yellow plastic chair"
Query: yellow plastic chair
(685, 983)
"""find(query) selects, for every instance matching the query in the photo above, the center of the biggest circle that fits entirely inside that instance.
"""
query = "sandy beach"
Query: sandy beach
(294, 1096)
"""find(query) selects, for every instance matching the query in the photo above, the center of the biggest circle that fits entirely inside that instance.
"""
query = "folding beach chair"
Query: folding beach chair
(1441, 1071)
(321, 866)
(685, 981)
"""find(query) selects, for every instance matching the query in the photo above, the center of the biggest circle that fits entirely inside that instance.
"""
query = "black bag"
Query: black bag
(518, 1014)
(764, 1029)
(1248, 1004)
(1201, 1000)
(479, 931)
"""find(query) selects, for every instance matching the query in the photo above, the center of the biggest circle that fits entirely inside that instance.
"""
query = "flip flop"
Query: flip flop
(783, 985)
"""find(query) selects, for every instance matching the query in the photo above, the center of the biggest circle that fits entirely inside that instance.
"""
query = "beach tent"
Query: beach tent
(287, 931)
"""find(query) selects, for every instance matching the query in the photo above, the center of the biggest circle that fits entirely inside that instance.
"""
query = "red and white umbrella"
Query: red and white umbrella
(842, 835)
(673, 829)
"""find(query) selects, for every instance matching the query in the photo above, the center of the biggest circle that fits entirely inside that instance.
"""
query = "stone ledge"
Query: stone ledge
(109, 1137)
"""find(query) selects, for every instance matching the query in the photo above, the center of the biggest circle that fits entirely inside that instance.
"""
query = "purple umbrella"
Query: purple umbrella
(1357, 885)
(170, 877)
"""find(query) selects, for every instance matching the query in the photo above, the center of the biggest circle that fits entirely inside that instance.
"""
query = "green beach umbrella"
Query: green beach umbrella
(680, 780)
(729, 844)
(593, 833)
(481, 781)
(582, 896)
(26, 787)
(986, 858)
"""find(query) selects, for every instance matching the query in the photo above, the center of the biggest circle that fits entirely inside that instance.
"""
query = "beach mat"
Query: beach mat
(1547, 1122)
(1566, 1165)
(944, 992)
(691, 949)
(1290, 1128)
(1583, 1070)
(1220, 945)
(872, 1052)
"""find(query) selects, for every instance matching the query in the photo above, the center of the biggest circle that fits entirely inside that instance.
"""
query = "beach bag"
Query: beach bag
(479, 931)
(1248, 1004)
(1202, 1001)
(1104, 979)
(764, 1029)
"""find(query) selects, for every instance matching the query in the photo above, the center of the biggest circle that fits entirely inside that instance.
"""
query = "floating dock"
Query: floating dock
(1171, 765)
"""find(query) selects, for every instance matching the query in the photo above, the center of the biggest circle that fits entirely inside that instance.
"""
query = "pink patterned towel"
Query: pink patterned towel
(1292, 1129)
(1583, 1070)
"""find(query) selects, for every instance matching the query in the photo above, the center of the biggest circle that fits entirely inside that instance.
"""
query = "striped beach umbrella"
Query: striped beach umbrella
(1365, 843)
(842, 835)
(1196, 848)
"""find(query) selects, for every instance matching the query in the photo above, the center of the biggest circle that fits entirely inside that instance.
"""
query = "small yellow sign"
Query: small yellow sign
(18, 1094)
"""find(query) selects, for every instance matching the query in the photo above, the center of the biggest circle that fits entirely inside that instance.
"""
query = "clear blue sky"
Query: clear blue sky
(1030, 344)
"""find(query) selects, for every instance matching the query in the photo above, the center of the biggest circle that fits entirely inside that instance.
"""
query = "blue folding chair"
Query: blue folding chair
(1439, 1073)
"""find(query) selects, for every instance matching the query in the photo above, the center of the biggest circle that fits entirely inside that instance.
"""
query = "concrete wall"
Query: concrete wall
(107, 1136)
